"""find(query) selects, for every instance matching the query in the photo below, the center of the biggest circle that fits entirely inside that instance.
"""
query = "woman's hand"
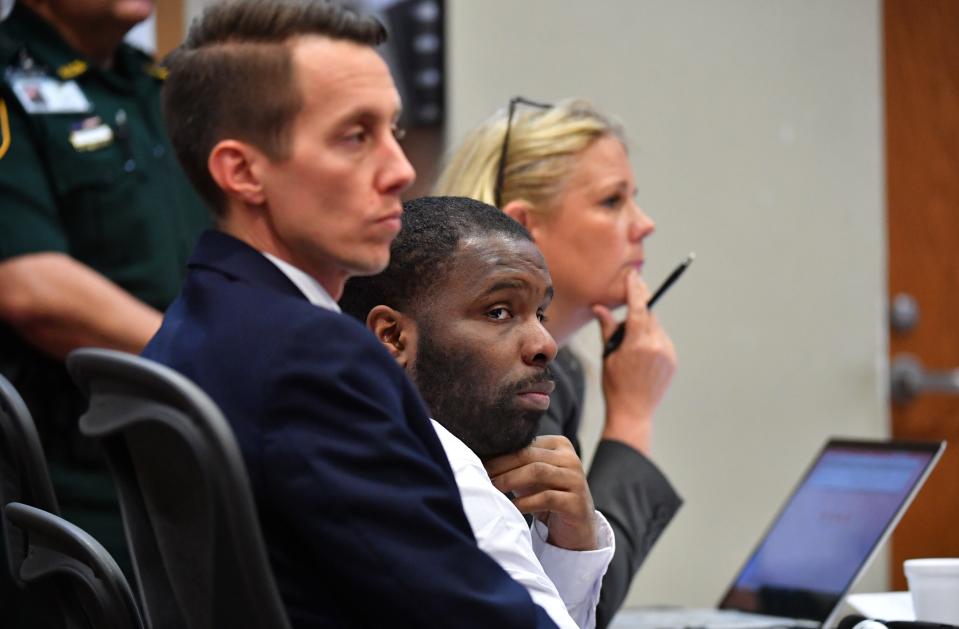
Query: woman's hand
(635, 376)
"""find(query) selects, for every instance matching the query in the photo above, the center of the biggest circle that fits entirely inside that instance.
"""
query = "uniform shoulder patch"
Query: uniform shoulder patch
(72, 70)
(157, 71)
(4, 128)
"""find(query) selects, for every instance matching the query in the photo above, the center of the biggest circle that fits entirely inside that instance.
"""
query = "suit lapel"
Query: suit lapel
(234, 258)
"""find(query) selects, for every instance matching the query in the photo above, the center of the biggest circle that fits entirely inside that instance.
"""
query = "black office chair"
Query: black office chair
(90, 582)
(32, 531)
(23, 478)
(184, 493)
(23, 468)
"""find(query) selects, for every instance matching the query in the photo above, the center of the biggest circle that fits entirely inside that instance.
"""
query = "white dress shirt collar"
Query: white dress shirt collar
(310, 288)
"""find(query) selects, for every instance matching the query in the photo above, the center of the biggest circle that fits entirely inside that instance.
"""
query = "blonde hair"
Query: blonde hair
(543, 145)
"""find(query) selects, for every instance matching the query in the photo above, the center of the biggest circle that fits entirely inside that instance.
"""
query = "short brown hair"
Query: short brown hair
(233, 77)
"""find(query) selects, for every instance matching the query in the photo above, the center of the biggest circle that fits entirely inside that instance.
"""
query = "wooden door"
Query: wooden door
(921, 42)
(170, 19)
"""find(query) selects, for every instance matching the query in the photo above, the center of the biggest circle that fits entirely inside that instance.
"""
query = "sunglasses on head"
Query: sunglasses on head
(513, 102)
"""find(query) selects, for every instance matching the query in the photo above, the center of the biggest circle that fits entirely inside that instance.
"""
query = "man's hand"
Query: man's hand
(547, 479)
(636, 376)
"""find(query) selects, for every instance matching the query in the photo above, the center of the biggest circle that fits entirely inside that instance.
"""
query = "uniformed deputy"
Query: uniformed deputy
(96, 220)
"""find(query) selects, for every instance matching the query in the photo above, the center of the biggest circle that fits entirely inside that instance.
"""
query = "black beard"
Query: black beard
(487, 421)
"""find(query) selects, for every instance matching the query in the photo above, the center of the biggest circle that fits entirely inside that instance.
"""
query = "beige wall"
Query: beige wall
(757, 142)
(193, 8)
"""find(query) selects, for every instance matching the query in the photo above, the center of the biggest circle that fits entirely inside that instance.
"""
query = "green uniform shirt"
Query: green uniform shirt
(103, 186)
(123, 206)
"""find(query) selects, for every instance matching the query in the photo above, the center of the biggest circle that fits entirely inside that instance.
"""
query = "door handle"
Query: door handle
(908, 378)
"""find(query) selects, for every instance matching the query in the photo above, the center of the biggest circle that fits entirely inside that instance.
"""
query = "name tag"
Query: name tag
(92, 135)
(41, 94)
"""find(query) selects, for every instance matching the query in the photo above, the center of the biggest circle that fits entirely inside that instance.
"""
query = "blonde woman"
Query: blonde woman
(563, 172)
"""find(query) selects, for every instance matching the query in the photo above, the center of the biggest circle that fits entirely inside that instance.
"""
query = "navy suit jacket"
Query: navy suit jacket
(363, 522)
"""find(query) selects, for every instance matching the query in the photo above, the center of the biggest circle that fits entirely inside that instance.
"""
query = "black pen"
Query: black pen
(614, 341)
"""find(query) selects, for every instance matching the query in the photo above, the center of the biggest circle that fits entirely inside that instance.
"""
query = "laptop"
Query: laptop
(846, 505)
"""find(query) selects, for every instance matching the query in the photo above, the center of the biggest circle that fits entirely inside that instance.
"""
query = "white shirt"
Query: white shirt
(564, 583)
(310, 288)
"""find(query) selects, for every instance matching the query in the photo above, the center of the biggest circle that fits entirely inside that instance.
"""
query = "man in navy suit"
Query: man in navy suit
(285, 119)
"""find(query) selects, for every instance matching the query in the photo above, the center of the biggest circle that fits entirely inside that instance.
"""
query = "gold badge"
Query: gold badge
(72, 70)
(157, 71)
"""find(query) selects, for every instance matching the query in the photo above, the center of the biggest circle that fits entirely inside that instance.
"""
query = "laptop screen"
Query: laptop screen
(848, 501)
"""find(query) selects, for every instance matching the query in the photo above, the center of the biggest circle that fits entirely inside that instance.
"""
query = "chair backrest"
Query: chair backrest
(187, 506)
(88, 576)
(23, 471)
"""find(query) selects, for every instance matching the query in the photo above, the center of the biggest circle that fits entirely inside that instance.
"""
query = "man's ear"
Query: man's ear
(395, 331)
(522, 212)
(234, 167)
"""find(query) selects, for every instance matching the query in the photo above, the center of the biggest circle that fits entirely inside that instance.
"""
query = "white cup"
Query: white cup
(934, 585)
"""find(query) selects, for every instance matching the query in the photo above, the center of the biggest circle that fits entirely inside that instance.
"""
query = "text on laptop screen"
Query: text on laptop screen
(827, 531)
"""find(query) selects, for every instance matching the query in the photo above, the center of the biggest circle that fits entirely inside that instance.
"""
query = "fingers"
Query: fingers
(642, 327)
(637, 294)
(556, 443)
(552, 501)
(538, 477)
(550, 463)
(554, 449)
(638, 318)
(607, 324)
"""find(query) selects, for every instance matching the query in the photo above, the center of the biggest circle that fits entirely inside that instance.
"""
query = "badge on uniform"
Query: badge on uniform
(43, 94)
(90, 134)
(4, 128)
